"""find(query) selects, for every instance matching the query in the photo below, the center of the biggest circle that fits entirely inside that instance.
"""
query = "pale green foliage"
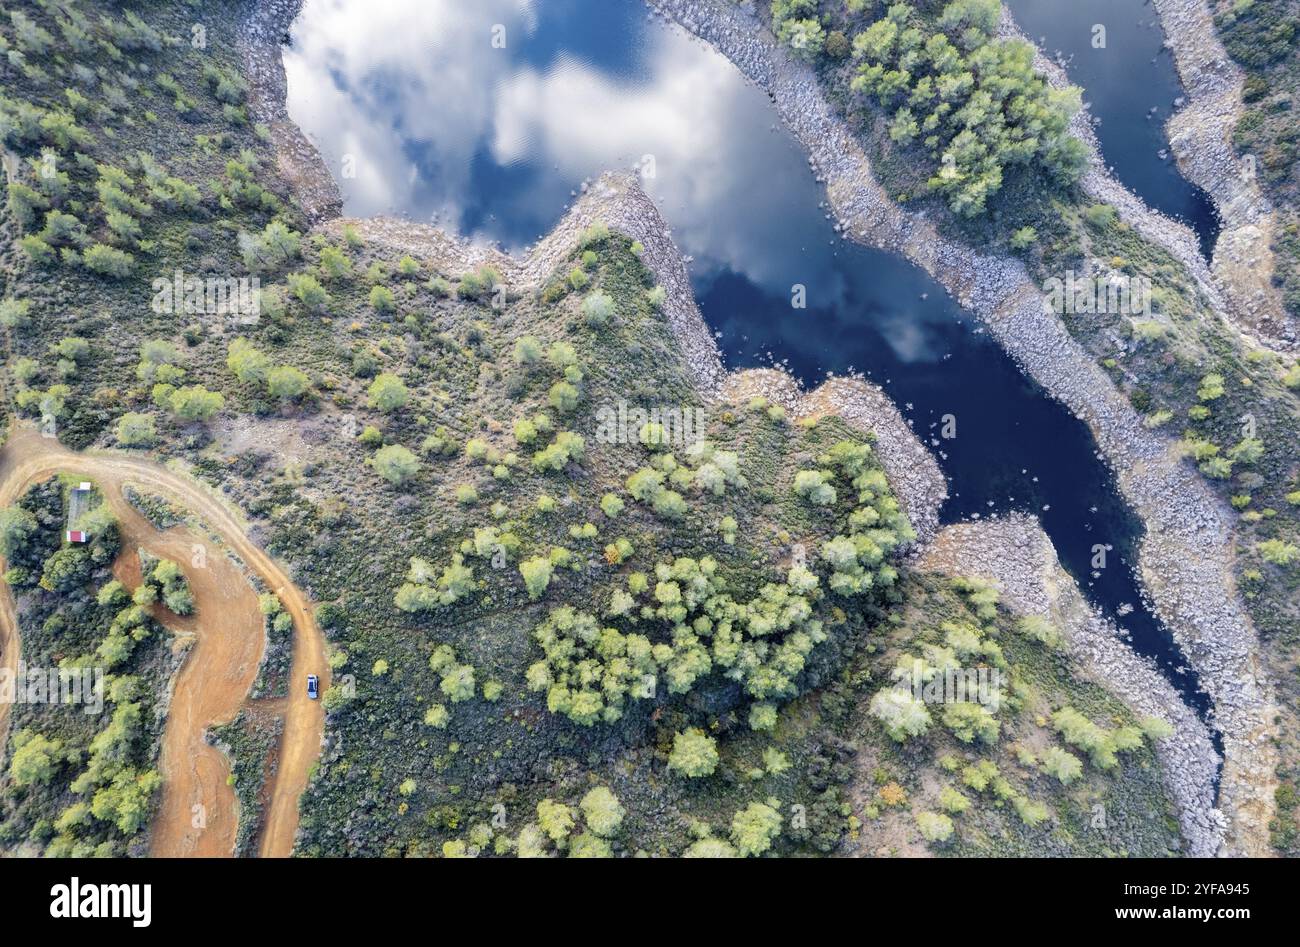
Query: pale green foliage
(273, 249)
(1278, 552)
(195, 403)
(762, 716)
(1211, 387)
(528, 350)
(602, 812)
(814, 487)
(108, 261)
(973, 100)
(387, 393)
(934, 826)
(1040, 629)
(589, 672)
(709, 847)
(969, 721)
(597, 309)
(287, 382)
(951, 800)
(902, 714)
(1154, 728)
(421, 592)
(1064, 766)
(308, 291)
(1100, 744)
(34, 759)
(536, 573)
(1031, 813)
(555, 819)
(589, 845)
(249, 365)
(135, 430)
(754, 828)
(563, 397)
(457, 683)
(395, 463)
(694, 753)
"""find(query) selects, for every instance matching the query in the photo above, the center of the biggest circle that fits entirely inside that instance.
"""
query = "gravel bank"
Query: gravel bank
(1015, 553)
(1186, 556)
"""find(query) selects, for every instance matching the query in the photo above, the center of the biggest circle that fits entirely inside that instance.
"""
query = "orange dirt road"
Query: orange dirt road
(221, 665)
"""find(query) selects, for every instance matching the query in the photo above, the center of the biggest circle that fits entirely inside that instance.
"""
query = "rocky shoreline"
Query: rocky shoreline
(1187, 554)
(1200, 136)
(1015, 553)
(261, 31)
(1237, 282)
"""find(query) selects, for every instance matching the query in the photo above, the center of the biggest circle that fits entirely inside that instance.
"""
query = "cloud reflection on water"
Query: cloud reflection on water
(492, 142)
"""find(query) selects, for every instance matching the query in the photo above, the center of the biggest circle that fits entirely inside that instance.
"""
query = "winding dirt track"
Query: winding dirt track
(221, 666)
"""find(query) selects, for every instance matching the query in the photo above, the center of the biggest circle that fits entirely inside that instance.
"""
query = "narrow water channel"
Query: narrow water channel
(1114, 50)
(487, 121)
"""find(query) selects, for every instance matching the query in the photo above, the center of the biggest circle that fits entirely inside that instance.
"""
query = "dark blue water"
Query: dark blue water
(494, 142)
(1130, 85)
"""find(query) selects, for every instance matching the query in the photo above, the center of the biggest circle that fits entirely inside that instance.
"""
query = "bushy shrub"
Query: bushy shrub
(694, 754)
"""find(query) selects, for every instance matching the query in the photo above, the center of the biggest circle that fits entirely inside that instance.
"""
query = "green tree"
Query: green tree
(694, 753)
(528, 351)
(902, 714)
(754, 828)
(287, 382)
(17, 526)
(563, 397)
(135, 430)
(387, 393)
(457, 683)
(35, 758)
(249, 365)
(395, 463)
(308, 291)
(602, 811)
(66, 569)
(814, 487)
(108, 261)
(195, 403)
(597, 309)
(273, 249)
(934, 826)
(382, 299)
(555, 819)
(537, 576)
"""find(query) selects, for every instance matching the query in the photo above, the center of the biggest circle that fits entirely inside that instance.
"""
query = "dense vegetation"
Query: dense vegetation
(973, 101)
(81, 776)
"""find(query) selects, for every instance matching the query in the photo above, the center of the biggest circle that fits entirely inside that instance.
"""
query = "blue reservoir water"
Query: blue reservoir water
(487, 119)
